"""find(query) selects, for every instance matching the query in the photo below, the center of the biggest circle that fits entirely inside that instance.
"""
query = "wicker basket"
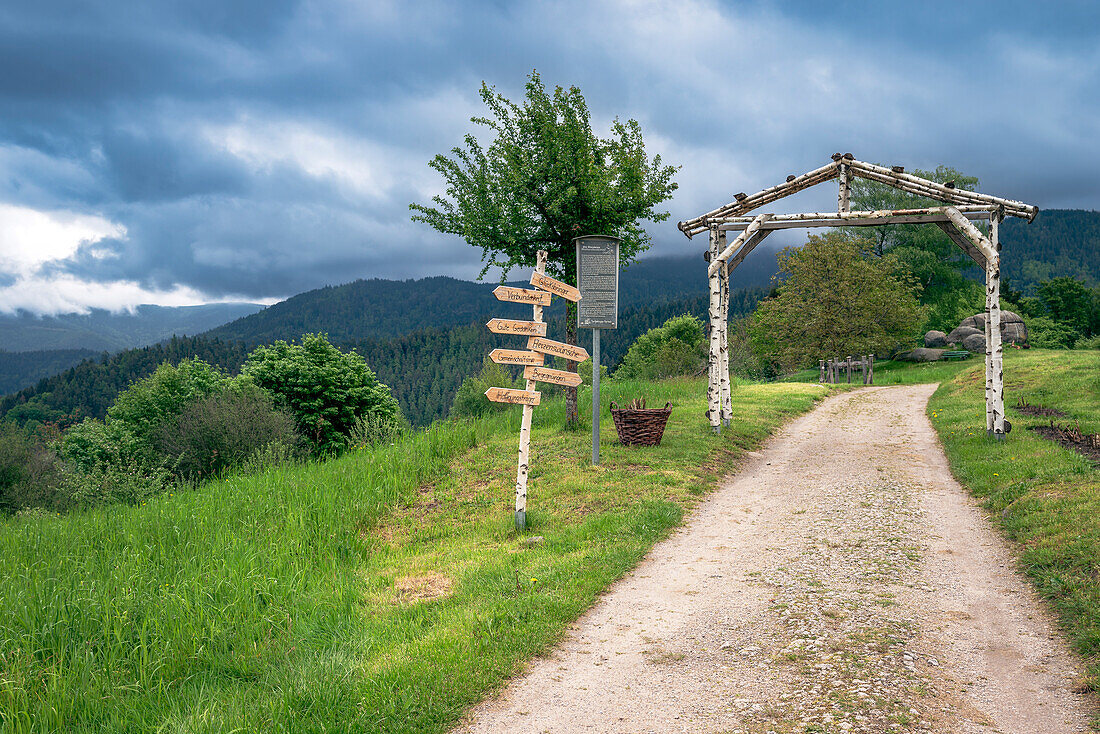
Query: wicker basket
(640, 426)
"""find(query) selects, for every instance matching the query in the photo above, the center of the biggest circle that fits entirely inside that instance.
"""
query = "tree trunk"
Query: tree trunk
(572, 417)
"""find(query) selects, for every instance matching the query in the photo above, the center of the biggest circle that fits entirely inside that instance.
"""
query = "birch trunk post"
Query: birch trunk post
(821, 370)
(995, 347)
(724, 385)
(849, 369)
(714, 407)
(844, 195)
(525, 423)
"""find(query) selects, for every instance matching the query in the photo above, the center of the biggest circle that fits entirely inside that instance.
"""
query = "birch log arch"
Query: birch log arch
(956, 218)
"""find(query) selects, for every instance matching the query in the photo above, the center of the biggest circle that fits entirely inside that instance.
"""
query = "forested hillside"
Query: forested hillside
(1060, 242)
(376, 309)
(19, 369)
(423, 368)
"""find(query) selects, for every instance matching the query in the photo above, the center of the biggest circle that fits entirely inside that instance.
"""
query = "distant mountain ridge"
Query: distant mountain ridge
(1060, 242)
(375, 309)
(101, 330)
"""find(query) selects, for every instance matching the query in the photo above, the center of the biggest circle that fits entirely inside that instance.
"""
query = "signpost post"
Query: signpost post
(598, 308)
(532, 359)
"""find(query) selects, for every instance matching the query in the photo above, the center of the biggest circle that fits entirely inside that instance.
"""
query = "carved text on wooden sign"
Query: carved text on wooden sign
(558, 377)
(515, 397)
(555, 286)
(516, 356)
(558, 349)
(511, 326)
(521, 295)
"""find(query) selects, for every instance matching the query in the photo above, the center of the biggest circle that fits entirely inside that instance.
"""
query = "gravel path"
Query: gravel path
(841, 582)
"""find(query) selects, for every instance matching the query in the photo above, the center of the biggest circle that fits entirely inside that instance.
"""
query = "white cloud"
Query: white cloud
(29, 238)
(67, 294)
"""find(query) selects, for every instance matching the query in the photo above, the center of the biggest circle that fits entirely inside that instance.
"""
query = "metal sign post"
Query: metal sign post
(598, 308)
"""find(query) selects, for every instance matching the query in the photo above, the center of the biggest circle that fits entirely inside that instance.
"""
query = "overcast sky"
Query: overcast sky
(214, 150)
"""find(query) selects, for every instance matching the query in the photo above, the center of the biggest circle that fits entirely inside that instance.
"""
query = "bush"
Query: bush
(145, 406)
(222, 431)
(677, 347)
(470, 400)
(29, 471)
(1093, 342)
(1044, 332)
(326, 391)
(127, 481)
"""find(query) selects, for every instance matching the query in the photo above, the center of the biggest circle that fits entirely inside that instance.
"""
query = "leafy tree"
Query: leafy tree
(326, 390)
(675, 348)
(545, 179)
(836, 299)
(1068, 301)
(1043, 332)
(470, 400)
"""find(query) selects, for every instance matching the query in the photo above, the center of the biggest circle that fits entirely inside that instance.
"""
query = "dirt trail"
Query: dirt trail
(841, 582)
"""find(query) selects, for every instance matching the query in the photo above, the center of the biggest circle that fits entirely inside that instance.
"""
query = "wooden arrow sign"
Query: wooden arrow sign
(516, 356)
(508, 326)
(558, 377)
(521, 295)
(515, 397)
(558, 349)
(555, 286)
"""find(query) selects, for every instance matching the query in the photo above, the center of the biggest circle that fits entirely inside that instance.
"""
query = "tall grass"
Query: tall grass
(109, 617)
(270, 602)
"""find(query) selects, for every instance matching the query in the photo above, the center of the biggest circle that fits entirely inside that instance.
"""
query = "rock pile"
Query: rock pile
(970, 333)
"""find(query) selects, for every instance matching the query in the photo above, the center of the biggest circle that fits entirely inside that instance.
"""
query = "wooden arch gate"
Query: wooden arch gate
(956, 218)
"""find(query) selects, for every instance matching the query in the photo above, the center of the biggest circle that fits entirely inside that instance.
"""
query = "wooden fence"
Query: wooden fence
(831, 369)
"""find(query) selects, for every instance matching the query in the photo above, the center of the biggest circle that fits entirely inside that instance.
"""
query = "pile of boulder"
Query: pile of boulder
(970, 334)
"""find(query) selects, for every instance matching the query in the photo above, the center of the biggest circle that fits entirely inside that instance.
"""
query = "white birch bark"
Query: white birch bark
(714, 408)
(725, 388)
(522, 467)
(996, 349)
(844, 193)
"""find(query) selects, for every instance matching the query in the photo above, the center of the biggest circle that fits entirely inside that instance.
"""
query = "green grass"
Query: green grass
(1045, 497)
(288, 600)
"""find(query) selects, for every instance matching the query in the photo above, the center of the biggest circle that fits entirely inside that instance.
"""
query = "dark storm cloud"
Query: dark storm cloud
(262, 148)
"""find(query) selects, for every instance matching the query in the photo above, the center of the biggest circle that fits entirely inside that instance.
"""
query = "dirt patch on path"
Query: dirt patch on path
(841, 582)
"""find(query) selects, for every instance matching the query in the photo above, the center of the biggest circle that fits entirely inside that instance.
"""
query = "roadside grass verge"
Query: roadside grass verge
(1045, 497)
(385, 591)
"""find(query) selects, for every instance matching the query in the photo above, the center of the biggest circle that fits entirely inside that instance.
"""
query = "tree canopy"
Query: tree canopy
(836, 299)
(546, 178)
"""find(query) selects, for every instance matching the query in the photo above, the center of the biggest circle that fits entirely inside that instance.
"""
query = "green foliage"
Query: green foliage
(326, 390)
(1043, 332)
(1060, 242)
(21, 369)
(836, 300)
(126, 480)
(545, 179)
(29, 471)
(224, 430)
(677, 347)
(470, 400)
(1093, 342)
(1069, 302)
(142, 409)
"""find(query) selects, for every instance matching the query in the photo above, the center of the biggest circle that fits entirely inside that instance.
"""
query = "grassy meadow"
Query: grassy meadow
(384, 591)
(1045, 497)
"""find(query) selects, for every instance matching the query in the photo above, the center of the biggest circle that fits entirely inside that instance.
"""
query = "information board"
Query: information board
(598, 282)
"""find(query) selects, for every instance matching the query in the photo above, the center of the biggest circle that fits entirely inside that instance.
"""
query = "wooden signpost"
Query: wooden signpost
(516, 356)
(532, 359)
(557, 349)
(515, 397)
(509, 326)
(558, 377)
(521, 295)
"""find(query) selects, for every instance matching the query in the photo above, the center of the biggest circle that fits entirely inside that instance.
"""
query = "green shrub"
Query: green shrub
(677, 347)
(1044, 332)
(223, 430)
(92, 445)
(327, 391)
(128, 481)
(145, 406)
(1093, 342)
(29, 471)
(470, 400)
